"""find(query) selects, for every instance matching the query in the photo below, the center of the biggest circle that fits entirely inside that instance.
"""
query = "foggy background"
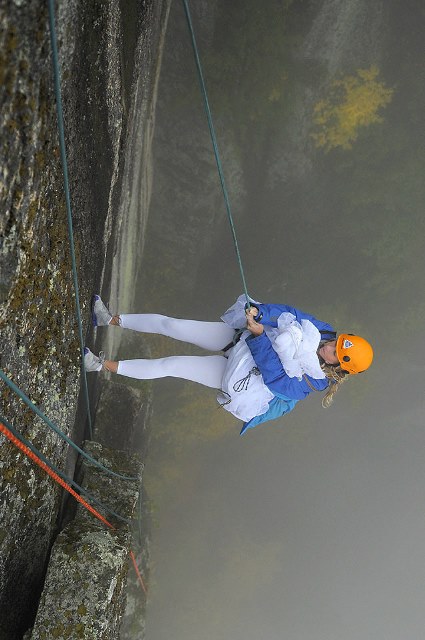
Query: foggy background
(311, 526)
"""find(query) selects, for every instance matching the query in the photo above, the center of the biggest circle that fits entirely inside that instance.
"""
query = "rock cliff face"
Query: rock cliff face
(40, 351)
(84, 591)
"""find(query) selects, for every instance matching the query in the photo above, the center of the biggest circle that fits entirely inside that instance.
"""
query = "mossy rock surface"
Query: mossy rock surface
(84, 593)
(37, 300)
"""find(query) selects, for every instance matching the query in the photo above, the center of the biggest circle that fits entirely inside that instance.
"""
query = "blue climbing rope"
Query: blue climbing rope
(60, 433)
(56, 74)
(62, 475)
(215, 147)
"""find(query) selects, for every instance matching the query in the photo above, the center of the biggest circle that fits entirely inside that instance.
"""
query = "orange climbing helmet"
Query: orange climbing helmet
(354, 353)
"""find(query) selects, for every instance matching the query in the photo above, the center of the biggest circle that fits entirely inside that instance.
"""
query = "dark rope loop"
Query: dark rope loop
(243, 384)
(225, 397)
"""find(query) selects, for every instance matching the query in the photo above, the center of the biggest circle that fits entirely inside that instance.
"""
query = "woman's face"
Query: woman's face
(328, 352)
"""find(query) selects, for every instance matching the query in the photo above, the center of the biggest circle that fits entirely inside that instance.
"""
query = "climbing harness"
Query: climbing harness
(236, 337)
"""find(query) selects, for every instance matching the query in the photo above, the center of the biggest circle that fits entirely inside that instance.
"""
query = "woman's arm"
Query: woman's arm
(269, 313)
(274, 375)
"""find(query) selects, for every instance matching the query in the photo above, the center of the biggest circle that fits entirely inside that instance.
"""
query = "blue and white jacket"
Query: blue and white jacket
(287, 391)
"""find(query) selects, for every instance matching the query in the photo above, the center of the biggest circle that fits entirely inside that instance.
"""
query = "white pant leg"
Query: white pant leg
(208, 335)
(207, 370)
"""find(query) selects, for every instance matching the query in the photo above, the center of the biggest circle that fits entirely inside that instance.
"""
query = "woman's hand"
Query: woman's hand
(253, 311)
(255, 327)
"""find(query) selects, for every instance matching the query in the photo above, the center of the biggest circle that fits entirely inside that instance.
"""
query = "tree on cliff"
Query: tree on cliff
(353, 102)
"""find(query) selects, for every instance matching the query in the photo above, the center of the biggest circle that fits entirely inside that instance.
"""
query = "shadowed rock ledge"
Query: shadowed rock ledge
(85, 587)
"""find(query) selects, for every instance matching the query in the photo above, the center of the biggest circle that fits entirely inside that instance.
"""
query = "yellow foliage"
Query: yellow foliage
(275, 95)
(353, 102)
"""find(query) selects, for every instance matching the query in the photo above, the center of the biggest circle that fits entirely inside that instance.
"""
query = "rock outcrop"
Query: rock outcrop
(84, 594)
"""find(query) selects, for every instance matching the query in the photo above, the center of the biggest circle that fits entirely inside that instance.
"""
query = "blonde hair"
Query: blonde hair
(336, 377)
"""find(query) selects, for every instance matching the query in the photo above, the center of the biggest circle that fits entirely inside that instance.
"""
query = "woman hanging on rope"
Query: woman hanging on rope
(280, 356)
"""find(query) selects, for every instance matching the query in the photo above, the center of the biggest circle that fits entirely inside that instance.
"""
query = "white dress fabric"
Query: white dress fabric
(253, 396)
(296, 345)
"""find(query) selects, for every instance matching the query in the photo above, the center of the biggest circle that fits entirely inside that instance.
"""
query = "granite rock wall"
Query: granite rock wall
(38, 330)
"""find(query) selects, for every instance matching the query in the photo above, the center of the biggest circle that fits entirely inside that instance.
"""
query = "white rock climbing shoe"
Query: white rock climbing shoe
(92, 362)
(100, 314)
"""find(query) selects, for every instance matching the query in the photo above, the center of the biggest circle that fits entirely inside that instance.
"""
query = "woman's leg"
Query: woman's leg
(207, 370)
(208, 335)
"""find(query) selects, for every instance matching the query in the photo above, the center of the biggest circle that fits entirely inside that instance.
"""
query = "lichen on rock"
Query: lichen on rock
(37, 314)
(84, 592)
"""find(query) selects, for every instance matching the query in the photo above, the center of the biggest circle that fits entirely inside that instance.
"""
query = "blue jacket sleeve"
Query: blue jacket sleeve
(274, 375)
(269, 314)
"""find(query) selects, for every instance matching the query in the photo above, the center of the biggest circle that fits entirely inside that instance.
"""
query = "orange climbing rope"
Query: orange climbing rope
(51, 473)
(138, 574)
(30, 454)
